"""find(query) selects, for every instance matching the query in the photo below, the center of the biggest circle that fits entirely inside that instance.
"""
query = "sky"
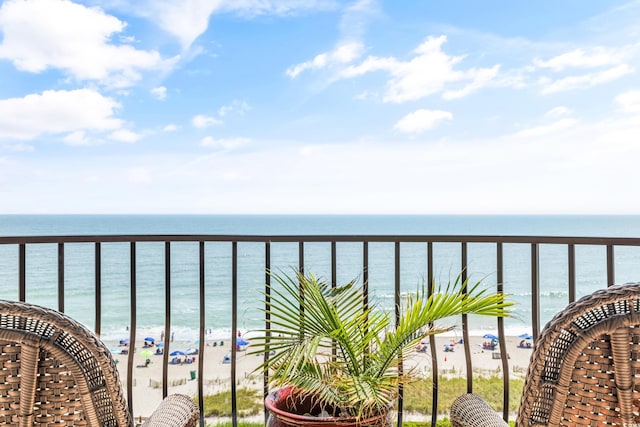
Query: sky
(319, 107)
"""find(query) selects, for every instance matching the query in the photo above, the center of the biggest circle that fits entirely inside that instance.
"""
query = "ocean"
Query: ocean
(79, 274)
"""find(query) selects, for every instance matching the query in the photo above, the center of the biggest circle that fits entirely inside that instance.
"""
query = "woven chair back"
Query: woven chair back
(585, 367)
(55, 372)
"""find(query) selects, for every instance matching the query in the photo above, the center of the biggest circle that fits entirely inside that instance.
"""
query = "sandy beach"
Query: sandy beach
(147, 386)
(147, 381)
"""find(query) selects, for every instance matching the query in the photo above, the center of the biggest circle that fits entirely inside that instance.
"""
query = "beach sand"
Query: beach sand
(147, 386)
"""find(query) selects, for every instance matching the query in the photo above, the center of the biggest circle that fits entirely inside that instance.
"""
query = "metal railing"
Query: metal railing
(569, 262)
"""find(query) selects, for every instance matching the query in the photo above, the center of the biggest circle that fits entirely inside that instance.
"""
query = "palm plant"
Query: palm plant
(343, 353)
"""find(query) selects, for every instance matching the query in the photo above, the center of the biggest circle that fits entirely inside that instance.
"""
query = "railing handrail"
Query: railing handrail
(358, 238)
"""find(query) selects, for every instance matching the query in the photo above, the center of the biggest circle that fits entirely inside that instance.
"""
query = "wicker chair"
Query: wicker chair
(55, 372)
(585, 368)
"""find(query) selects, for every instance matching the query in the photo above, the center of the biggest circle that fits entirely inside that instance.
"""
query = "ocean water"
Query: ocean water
(150, 269)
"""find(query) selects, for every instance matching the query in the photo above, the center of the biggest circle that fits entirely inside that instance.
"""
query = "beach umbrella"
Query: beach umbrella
(146, 353)
(526, 336)
(177, 353)
(160, 344)
(191, 351)
(150, 339)
(242, 342)
(490, 336)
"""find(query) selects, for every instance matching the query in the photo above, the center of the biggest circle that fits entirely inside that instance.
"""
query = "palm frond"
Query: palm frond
(329, 344)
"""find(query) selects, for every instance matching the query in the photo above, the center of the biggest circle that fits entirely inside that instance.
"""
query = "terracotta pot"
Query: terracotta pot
(279, 402)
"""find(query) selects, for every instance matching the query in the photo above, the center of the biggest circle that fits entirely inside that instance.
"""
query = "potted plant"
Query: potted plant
(335, 358)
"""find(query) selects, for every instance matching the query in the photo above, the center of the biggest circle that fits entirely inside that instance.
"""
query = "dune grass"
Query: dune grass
(418, 395)
(248, 403)
(417, 398)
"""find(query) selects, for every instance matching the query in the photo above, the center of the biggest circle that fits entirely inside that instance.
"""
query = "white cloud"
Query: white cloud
(424, 75)
(78, 137)
(202, 121)
(629, 102)
(57, 112)
(479, 79)
(185, 20)
(558, 112)
(422, 120)
(355, 17)
(427, 73)
(188, 19)
(585, 80)
(43, 34)
(545, 130)
(171, 128)
(226, 144)
(18, 148)
(125, 135)
(159, 92)
(342, 54)
(349, 47)
(578, 58)
(238, 107)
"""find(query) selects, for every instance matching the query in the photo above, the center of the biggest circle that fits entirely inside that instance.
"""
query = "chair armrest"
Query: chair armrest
(471, 410)
(176, 410)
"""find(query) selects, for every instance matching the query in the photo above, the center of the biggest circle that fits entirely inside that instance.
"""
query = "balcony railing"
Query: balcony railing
(61, 270)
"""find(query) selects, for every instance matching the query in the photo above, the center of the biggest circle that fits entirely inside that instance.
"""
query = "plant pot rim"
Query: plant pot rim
(275, 397)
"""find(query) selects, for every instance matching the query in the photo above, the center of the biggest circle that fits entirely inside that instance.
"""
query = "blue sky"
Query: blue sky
(319, 106)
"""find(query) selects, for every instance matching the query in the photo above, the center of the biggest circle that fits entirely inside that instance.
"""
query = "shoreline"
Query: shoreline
(147, 381)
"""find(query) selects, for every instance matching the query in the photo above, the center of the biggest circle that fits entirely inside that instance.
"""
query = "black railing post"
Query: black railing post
(301, 256)
(98, 286)
(571, 262)
(611, 266)
(267, 319)
(365, 274)
(167, 319)
(397, 319)
(234, 329)
(132, 324)
(535, 291)
(22, 272)
(61, 277)
(465, 322)
(334, 268)
(432, 340)
(501, 342)
(201, 336)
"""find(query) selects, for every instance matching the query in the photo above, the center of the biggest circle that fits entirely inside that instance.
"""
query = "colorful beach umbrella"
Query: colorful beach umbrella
(526, 336)
(490, 336)
(150, 339)
(146, 353)
(160, 344)
(177, 353)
